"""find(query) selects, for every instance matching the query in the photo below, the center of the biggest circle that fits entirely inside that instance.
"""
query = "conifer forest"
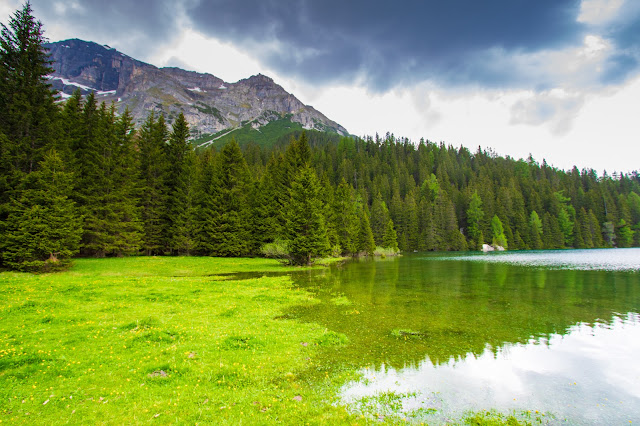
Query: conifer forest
(78, 179)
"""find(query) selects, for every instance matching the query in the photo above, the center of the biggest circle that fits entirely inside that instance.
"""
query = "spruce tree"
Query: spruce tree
(379, 218)
(366, 243)
(233, 233)
(151, 142)
(305, 223)
(28, 112)
(346, 215)
(497, 232)
(180, 231)
(535, 226)
(126, 228)
(390, 239)
(475, 215)
(184, 236)
(92, 168)
(43, 228)
(206, 205)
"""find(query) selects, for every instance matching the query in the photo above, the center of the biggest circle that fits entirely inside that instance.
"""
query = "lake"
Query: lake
(436, 335)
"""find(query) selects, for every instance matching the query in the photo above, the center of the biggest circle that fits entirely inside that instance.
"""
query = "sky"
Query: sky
(557, 79)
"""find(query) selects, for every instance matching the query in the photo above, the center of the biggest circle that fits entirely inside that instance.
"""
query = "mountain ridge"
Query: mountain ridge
(210, 105)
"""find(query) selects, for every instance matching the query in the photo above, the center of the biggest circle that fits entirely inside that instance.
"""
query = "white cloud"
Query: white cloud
(556, 107)
(598, 12)
(197, 53)
(7, 9)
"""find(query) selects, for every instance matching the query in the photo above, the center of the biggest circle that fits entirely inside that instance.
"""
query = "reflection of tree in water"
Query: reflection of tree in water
(405, 309)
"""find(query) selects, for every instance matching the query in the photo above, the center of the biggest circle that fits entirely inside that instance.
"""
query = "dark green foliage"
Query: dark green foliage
(108, 185)
(43, 227)
(346, 216)
(475, 214)
(624, 234)
(306, 229)
(231, 235)
(28, 113)
(152, 139)
(181, 186)
(535, 231)
(497, 232)
(390, 239)
(379, 218)
(366, 243)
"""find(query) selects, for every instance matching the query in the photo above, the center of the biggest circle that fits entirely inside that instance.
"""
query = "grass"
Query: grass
(145, 340)
(169, 340)
(264, 136)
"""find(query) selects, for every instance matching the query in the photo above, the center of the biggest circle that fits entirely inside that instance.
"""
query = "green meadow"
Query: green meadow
(168, 340)
(172, 340)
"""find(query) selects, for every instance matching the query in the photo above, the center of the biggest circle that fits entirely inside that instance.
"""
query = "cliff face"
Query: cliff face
(209, 104)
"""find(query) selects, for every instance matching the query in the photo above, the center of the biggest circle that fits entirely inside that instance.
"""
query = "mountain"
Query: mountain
(213, 108)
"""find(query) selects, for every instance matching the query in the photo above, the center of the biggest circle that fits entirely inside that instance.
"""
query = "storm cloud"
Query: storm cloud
(381, 45)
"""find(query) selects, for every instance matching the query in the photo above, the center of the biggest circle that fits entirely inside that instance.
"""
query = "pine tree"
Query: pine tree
(307, 234)
(535, 226)
(411, 231)
(497, 232)
(152, 139)
(232, 236)
(379, 218)
(43, 226)
(346, 214)
(475, 214)
(390, 239)
(180, 231)
(93, 153)
(366, 243)
(126, 228)
(28, 112)
(206, 205)
(184, 236)
(264, 212)
(624, 234)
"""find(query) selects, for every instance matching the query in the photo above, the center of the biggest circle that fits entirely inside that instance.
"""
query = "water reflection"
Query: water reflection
(575, 376)
(425, 314)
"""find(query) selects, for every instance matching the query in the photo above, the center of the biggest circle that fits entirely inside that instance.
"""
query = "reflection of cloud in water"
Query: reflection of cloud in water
(593, 259)
(586, 376)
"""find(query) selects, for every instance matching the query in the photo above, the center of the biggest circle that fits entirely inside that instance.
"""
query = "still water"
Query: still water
(436, 335)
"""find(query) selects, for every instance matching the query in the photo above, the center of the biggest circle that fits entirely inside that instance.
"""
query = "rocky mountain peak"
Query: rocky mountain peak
(210, 105)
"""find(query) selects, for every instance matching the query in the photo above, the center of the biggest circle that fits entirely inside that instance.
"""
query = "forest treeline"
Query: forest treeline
(78, 179)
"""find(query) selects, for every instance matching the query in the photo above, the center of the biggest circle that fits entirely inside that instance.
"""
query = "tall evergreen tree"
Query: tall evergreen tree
(152, 138)
(180, 181)
(535, 230)
(232, 236)
(28, 112)
(390, 239)
(307, 233)
(497, 232)
(346, 215)
(366, 243)
(43, 226)
(379, 218)
(475, 214)
(126, 228)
